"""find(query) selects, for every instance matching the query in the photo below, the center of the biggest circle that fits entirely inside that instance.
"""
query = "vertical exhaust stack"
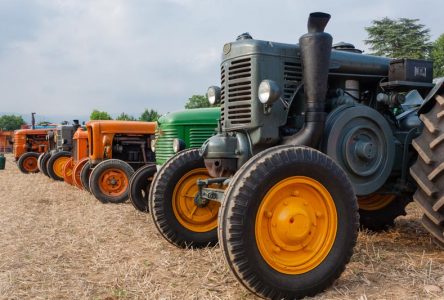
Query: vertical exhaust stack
(32, 120)
(315, 47)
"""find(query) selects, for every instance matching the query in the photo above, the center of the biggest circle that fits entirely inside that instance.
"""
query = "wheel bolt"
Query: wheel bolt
(268, 214)
(276, 249)
(285, 203)
(295, 193)
(318, 214)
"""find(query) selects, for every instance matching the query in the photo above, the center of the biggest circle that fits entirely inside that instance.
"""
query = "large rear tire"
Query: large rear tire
(428, 169)
(172, 206)
(378, 211)
(109, 181)
(55, 164)
(139, 186)
(85, 173)
(289, 223)
(28, 162)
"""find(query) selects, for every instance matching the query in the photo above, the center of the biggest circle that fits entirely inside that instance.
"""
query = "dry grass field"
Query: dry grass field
(57, 242)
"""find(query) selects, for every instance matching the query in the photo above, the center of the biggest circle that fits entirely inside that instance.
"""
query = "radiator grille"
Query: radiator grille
(292, 78)
(199, 135)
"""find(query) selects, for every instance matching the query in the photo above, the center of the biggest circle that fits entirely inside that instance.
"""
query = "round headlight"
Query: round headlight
(213, 94)
(178, 145)
(268, 92)
(153, 145)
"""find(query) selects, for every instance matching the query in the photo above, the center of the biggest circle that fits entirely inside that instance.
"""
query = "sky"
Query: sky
(66, 58)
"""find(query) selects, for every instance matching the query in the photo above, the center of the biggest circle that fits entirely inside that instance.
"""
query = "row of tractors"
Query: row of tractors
(310, 141)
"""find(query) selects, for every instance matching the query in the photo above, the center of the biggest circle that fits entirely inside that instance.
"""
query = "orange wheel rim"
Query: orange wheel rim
(67, 171)
(30, 164)
(76, 172)
(113, 182)
(375, 201)
(58, 165)
(188, 214)
(296, 225)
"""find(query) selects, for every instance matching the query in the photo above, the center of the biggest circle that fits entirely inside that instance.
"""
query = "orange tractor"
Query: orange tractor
(79, 157)
(28, 145)
(116, 150)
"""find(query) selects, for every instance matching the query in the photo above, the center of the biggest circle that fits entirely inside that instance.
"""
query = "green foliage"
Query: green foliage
(401, 38)
(99, 115)
(149, 115)
(11, 122)
(125, 117)
(197, 101)
(438, 57)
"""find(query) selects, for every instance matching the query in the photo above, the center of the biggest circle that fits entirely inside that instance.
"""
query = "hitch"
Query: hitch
(206, 194)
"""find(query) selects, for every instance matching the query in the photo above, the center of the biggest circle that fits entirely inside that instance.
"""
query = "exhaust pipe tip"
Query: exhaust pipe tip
(317, 21)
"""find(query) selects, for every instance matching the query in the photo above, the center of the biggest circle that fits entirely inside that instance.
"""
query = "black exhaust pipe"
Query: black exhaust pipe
(315, 47)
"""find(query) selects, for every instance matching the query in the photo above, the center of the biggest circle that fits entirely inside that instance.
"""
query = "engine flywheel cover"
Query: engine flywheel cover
(360, 140)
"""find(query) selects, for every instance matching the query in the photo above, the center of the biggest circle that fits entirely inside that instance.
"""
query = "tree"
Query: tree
(197, 101)
(438, 56)
(11, 122)
(125, 117)
(149, 115)
(401, 38)
(99, 115)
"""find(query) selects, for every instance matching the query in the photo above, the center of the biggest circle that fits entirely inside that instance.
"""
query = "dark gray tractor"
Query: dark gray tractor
(311, 137)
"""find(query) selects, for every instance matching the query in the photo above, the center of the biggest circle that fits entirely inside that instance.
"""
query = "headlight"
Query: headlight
(213, 94)
(268, 92)
(153, 145)
(178, 145)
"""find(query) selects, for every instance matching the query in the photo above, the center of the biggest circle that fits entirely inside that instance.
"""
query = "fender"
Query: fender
(429, 101)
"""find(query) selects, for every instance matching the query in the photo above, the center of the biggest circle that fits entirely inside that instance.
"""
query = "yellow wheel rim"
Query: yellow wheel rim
(375, 201)
(187, 213)
(296, 225)
(58, 165)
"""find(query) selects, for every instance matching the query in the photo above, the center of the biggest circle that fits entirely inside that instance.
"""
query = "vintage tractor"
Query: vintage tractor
(309, 136)
(116, 149)
(175, 132)
(51, 163)
(79, 157)
(28, 144)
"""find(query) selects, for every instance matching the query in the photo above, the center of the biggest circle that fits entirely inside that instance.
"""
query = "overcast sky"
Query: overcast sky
(69, 57)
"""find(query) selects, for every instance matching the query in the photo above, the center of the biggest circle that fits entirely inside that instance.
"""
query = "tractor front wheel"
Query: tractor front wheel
(109, 181)
(172, 202)
(55, 164)
(378, 211)
(42, 162)
(139, 186)
(67, 171)
(289, 223)
(28, 162)
(76, 171)
(85, 173)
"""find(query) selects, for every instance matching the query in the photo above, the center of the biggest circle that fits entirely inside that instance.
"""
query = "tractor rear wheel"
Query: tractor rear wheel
(378, 211)
(172, 205)
(139, 186)
(55, 164)
(289, 223)
(85, 173)
(76, 170)
(109, 181)
(28, 162)
(67, 171)
(42, 161)
(428, 169)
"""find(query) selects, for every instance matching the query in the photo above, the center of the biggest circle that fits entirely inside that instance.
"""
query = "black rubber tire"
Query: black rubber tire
(98, 171)
(85, 173)
(384, 218)
(237, 220)
(161, 206)
(428, 169)
(22, 159)
(50, 164)
(42, 163)
(139, 186)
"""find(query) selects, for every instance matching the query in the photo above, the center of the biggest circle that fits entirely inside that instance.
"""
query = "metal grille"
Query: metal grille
(199, 135)
(59, 138)
(237, 104)
(292, 78)
(222, 95)
(164, 144)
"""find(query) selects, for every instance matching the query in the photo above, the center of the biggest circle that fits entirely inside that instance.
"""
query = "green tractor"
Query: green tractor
(175, 132)
(311, 136)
